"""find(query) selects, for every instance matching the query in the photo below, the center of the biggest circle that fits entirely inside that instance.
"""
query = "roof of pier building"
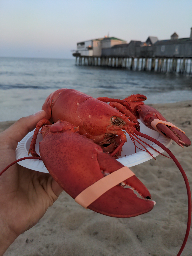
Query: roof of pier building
(136, 42)
(169, 41)
(113, 41)
(151, 40)
(108, 42)
(174, 36)
(113, 38)
(174, 40)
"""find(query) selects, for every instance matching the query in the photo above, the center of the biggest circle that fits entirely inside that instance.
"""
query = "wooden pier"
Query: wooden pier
(174, 65)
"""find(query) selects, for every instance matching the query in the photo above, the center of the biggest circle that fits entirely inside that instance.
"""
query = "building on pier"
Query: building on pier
(115, 52)
(175, 48)
(94, 47)
(88, 48)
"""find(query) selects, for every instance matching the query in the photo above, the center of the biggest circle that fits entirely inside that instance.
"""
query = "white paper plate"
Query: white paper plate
(128, 156)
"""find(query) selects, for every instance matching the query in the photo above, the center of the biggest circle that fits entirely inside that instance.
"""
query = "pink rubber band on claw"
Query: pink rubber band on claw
(155, 122)
(93, 192)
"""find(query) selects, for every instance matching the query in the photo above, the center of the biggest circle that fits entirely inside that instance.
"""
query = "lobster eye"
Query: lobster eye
(117, 121)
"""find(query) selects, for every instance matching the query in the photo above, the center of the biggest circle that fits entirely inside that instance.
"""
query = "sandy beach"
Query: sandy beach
(67, 229)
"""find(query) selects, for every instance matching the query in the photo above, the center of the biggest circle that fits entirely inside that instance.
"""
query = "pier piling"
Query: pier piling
(173, 65)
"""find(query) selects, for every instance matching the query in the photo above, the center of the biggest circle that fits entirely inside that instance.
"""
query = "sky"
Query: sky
(52, 28)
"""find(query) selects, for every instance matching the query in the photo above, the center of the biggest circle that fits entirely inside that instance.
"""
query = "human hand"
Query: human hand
(25, 195)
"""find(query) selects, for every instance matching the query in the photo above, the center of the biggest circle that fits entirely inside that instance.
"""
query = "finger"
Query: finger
(56, 188)
(19, 129)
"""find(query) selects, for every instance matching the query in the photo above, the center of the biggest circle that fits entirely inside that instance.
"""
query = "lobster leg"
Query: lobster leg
(127, 112)
(131, 102)
(148, 114)
(76, 163)
(42, 122)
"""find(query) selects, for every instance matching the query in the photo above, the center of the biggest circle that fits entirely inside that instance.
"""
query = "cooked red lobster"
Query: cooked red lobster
(104, 123)
(83, 136)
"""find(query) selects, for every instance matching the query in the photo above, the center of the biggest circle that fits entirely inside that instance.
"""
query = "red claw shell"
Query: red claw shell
(75, 172)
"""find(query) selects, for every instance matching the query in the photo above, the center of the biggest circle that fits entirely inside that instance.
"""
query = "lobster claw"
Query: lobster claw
(173, 133)
(154, 120)
(129, 199)
(77, 163)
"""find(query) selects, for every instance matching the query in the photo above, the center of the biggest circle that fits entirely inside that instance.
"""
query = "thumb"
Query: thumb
(20, 128)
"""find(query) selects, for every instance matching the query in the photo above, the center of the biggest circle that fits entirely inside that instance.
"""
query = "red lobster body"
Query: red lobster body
(95, 119)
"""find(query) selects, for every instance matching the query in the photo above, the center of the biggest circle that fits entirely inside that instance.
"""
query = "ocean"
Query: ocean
(26, 82)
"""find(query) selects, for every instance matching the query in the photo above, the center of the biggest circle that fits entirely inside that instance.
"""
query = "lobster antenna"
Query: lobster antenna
(145, 149)
(18, 160)
(186, 183)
